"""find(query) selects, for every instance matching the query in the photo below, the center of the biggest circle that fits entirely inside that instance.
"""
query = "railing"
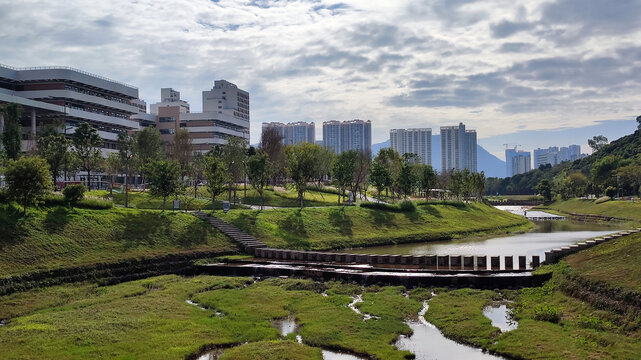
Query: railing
(66, 68)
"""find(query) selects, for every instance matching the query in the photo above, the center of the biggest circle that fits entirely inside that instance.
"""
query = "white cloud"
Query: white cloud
(500, 66)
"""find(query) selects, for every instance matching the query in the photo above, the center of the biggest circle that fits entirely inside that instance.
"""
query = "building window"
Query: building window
(167, 119)
(167, 131)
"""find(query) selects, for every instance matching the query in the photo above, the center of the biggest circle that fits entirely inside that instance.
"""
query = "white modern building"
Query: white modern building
(294, 133)
(521, 163)
(458, 148)
(68, 96)
(555, 155)
(225, 113)
(347, 135)
(413, 141)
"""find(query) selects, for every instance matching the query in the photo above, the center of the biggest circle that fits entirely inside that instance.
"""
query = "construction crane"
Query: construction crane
(507, 146)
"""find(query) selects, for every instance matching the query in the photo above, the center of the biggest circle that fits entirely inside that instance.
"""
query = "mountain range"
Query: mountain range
(486, 162)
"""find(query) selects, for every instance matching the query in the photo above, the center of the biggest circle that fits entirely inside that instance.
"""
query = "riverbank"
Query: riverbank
(56, 237)
(589, 309)
(356, 226)
(622, 209)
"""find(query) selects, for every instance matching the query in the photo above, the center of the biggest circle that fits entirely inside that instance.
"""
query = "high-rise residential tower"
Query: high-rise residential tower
(521, 163)
(413, 141)
(458, 148)
(294, 133)
(347, 135)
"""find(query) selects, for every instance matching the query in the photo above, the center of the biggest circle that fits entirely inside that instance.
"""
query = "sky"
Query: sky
(516, 71)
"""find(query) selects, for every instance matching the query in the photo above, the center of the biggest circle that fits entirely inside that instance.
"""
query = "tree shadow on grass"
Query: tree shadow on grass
(57, 219)
(381, 218)
(143, 229)
(432, 210)
(294, 224)
(195, 233)
(339, 219)
(12, 228)
(413, 216)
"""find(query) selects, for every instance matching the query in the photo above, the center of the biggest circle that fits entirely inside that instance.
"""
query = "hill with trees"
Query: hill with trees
(613, 169)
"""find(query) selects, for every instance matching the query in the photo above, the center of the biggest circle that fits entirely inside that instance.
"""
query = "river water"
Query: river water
(546, 236)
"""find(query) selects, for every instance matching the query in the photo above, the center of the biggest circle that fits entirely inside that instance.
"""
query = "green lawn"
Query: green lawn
(344, 227)
(54, 237)
(277, 198)
(616, 208)
(150, 319)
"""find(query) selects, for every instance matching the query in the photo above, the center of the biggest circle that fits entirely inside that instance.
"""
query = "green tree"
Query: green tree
(233, 155)
(639, 122)
(164, 177)
(603, 168)
(216, 174)
(301, 163)
(259, 172)
(406, 180)
(149, 147)
(392, 160)
(27, 178)
(126, 148)
(12, 134)
(478, 183)
(196, 171)
(87, 145)
(113, 166)
(380, 177)
(427, 179)
(575, 185)
(545, 189)
(597, 142)
(362, 167)
(343, 170)
(183, 151)
(54, 148)
(73, 194)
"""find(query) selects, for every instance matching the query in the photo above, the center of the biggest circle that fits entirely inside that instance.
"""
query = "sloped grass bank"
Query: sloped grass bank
(57, 237)
(151, 319)
(613, 208)
(345, 227)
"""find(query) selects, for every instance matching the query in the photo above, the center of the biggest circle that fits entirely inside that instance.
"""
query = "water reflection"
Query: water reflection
(499, 314)
(285, 325)
(428, 343)
(212, 354)
(547, 235)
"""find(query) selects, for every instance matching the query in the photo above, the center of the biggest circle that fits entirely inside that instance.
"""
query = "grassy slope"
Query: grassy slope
(343, 227)
(616, 208)
(616, 262)
(150, 319)
(58, 237)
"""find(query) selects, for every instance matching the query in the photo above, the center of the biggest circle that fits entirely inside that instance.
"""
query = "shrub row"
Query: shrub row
(86, 203)
(403, 206)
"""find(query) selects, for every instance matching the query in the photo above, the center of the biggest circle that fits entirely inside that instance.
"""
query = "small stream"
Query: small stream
(428, 343)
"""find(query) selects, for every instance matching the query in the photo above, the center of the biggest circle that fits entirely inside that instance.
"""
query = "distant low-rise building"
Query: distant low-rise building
(555, 155)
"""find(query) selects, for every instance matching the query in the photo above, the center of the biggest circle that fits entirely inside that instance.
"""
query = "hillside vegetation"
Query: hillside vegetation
(621, 157)
(344, 227)
(54, 237)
